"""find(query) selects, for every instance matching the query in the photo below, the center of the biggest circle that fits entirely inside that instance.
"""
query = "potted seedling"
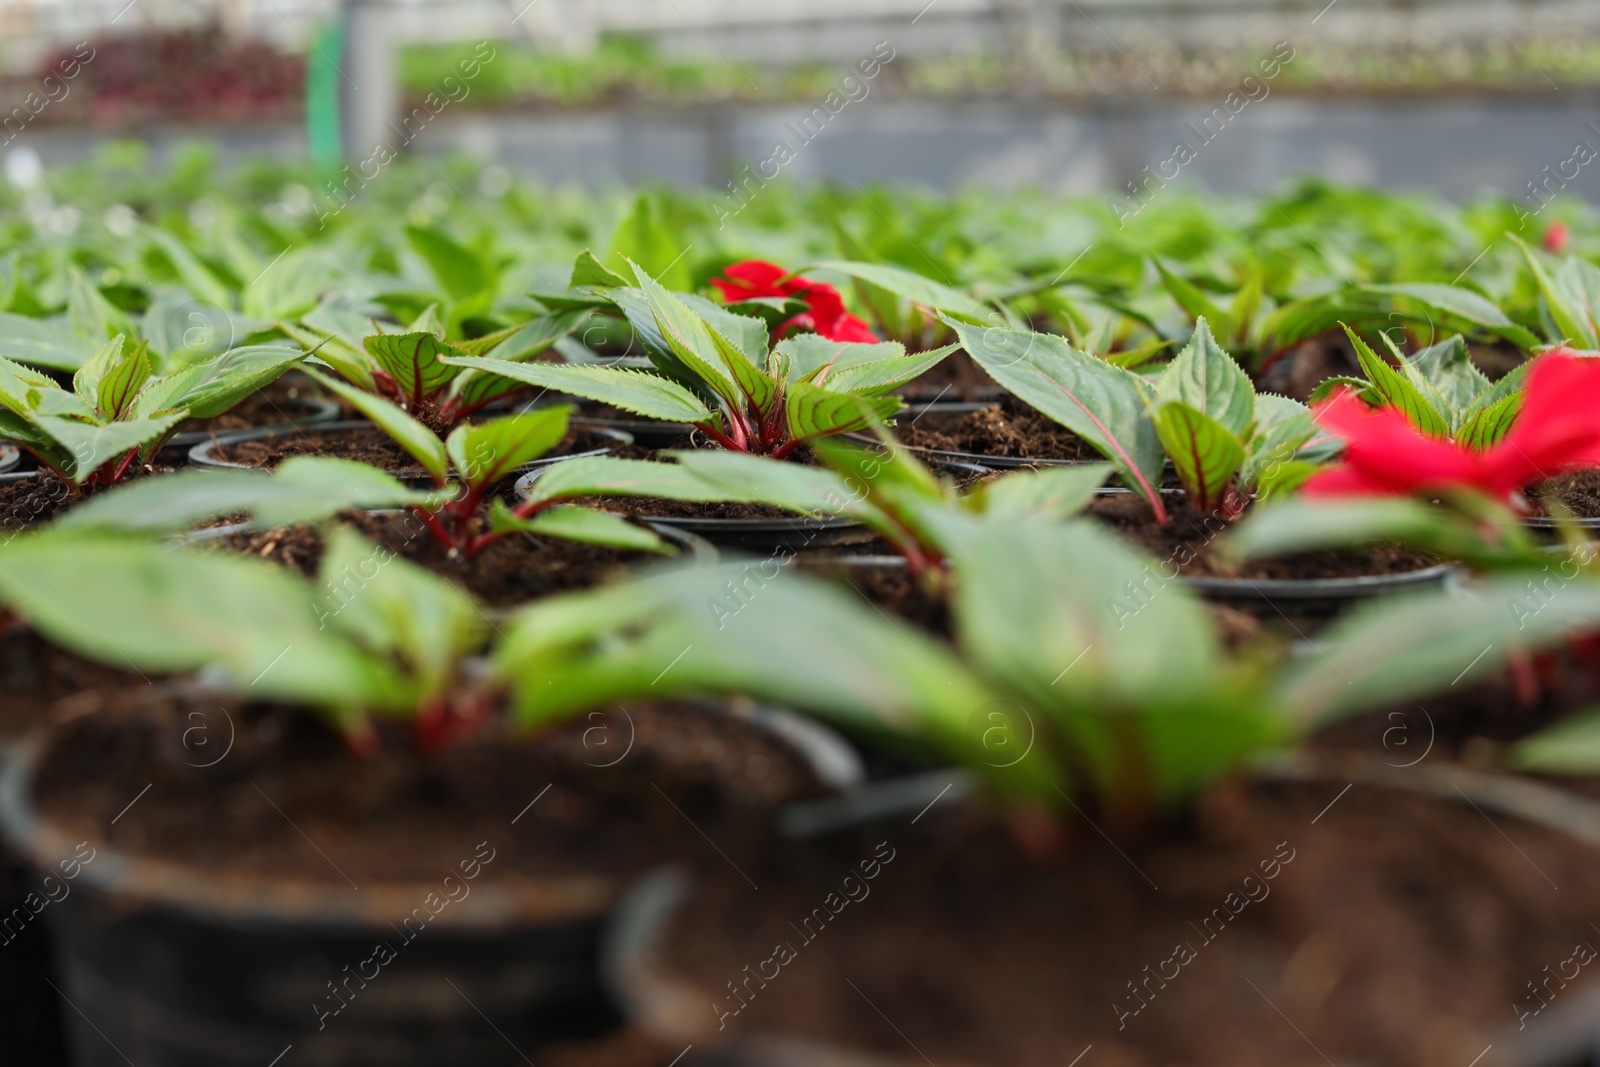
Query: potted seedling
(1445, 471)
(118, 412)
(480, 888)
(1088, 728)
(405, 371)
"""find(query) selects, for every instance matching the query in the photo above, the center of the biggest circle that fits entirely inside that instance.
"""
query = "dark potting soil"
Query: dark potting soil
(617, 792)
(1186, 543)
(1298, 372)
(1008, 429)
(368, 445)
(26, 502)
(36, 676)
(1394, 929)
(511, 571)
(956, 378)
(1578, 492)
(285, 400)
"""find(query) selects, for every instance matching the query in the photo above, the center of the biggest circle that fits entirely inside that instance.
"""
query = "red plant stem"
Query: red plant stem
(720, 438)
(783, 450)
(432, 521)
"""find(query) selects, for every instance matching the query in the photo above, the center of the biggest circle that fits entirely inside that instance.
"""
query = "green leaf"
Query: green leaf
(570, 523)
(1104, 405)
(1488, 425)
(1403, 648)
(640, 392)
(588, 272)
(1198, 306)
(209, 389)
(413, 361)
(1047, 494)
(811, 411)
(399, 610)
(1395, 390)
(1294, 526)
(1570, 746)
(1567, 313)
(690, 340)
(305, 489)
(1206, 453)
(908, 285)
(422, 443)
(89, 313)
(484, 453)
(348, 361)
(91, 446)
(1459, 303)
(195, 275)
(86, 382)
(121, 383)
(642, 239)
(1282, 427)
(42, 343)
(459, 272)
(1449, 370)
(1207, 379)
(141, 605)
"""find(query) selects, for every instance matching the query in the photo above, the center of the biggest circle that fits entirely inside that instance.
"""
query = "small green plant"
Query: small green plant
(413, 369)
(718, 371)
(1226, 442)
(119, 409)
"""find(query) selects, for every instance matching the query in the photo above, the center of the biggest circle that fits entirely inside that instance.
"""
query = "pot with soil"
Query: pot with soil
(508, 573)
(1304, 590)
(1294, 920)
(1001, 435)
(361, 440)
(1578, 492)
(273, 891)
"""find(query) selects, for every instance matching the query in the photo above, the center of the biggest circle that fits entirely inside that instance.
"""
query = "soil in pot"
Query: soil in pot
(956, 378)
(1007, 429)
(1577, 491)
(510, 571)
(35, 676)
(367, 445)
(1186, 541)
(401, 816)
(33, 501)
(1288, 925)
(227, 905)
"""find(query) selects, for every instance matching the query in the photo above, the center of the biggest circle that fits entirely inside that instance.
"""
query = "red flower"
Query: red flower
(1555, 238)
(755, 279)
(1557, 430)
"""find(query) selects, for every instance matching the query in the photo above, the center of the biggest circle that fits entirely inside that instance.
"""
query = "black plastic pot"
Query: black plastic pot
(167, 965)
(203, 454)
(10, 456)
(795, 533)
(300, 413)
(934, 456)
(30, 1019)
(669, 1009)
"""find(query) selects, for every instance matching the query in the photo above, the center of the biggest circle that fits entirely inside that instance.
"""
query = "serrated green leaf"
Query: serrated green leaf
(640, 392)
(1207, 379)
(209, 389)
(91, 447)
(122, 382)
(1205, 453)
(1395, 390)
(1282, 427)
(198, 277)
(814, 412)
(483, 453)
(1570, 747)
(588, 272)
(1104, 405)
(1568, 314)
(413, 361)
(1489, 424)
(422, 443)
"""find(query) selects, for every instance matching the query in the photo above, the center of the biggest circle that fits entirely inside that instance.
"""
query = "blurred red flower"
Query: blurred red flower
(1557, 430)
(1555, 238)
(754, 279)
